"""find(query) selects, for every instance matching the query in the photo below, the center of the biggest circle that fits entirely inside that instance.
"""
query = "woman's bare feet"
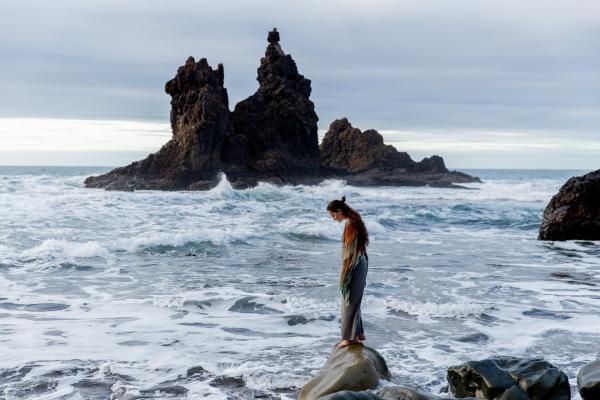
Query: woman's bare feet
(347, 342)
(362, 337)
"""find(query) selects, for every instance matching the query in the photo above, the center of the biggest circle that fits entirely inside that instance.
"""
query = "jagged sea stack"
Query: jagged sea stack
(199, 121)
(276, 128)
(271, 136)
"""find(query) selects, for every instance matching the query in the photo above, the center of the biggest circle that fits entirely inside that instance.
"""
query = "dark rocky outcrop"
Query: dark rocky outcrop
(509, 378)
(588, 381)
(276, 128)
(353, 368)
(574, 212)
(199, 121)
(271, 136)
(362, 158)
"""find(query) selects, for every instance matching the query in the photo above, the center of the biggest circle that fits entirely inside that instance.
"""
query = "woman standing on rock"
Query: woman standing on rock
(353, 275)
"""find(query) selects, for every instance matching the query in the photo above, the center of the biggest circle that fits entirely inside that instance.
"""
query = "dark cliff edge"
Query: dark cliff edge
(271, 137)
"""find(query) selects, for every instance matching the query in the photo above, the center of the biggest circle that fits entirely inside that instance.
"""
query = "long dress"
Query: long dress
(353, 287)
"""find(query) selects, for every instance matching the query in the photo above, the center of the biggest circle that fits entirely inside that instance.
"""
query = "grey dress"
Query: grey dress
(351, 318)
(352, 324)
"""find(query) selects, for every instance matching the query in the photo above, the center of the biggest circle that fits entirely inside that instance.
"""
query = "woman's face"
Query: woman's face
(336, 215)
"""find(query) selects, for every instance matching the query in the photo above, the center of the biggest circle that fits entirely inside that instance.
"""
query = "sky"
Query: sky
(484, 84)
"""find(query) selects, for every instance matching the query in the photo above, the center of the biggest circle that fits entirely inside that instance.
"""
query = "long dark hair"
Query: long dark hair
(355, 220)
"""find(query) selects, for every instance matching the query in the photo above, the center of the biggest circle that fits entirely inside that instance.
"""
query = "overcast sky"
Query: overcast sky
(481, 83)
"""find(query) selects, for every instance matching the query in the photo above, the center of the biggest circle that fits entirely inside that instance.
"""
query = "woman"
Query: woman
(353, 275)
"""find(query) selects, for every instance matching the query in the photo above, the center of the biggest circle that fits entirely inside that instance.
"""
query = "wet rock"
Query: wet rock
(362, 158)
(574, 212)
(228, 381)
(509, 378)
(477, 337)
(199, 121)
(197, 372)
(514, 393)
(245, 305)
(296, 319)
(588, 381)
(355, 368)
(236, 388)
(175, 390)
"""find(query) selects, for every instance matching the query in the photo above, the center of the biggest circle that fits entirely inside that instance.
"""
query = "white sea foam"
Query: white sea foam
(445, 256)
(66, 249)
(216, 236)
(439, 310)
(167, 301)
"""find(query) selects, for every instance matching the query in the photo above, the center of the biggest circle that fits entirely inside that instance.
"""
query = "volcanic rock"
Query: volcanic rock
(199, 121)
(271, 136)
(362, 158)
(574, 212)
(509, 378)
(275, 135)
(354, 368)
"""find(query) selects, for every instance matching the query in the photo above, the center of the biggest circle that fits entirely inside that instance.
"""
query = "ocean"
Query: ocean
(232, 294)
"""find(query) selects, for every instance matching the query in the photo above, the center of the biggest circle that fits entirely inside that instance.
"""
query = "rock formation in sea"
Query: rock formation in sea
(507, 378)
(275, 129)
(271, 136)
(362, 158)
(574, 212)
(200, 123)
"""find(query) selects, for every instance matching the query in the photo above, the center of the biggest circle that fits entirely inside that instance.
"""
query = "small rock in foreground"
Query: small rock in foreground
(509, 378)
(588, 381)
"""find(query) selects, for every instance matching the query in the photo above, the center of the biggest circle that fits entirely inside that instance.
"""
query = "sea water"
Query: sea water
(233, 293)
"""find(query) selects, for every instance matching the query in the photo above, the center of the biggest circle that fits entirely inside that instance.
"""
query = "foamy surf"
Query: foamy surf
(171, 294)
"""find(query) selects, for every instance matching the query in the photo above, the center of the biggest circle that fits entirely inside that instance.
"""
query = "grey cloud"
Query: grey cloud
(384, 64)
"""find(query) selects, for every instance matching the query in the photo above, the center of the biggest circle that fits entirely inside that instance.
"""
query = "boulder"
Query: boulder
(509, 378)
(363, 159)
(353, 368)
(588, 381)
(275, 130)
(574, 212)
(199, 121)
